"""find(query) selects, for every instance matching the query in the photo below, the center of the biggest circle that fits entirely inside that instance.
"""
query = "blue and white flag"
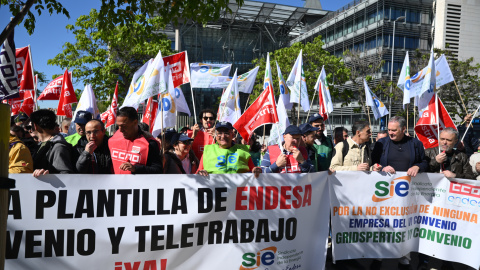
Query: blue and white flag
(88, 102)
(8, 70)
(297, 84)
(405, 82)
(378, 108)
(203, 75)
(246, 81)
(136, 87)
(279, 128)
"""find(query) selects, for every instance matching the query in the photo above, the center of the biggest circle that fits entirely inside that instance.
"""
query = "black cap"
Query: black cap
(292, 130)
(314, 117)
(224, 124)
(305, 128)
(83, 117)
(22, 117)
(180, 137)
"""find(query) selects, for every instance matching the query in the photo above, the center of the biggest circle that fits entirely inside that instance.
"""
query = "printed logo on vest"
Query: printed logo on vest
(122, 155)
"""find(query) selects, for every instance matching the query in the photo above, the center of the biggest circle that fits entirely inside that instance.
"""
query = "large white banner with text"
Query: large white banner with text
(167, 222)
(387, 216)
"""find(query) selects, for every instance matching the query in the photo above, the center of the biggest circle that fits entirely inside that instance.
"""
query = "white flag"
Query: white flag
(405, 82)
(284, 91)
(428, 86)
(177, 94)
(246, 81)
(230, 103)
(297, 84)
(443, 75)
(88, 102)
(202, 75)
(136, 87)
(378, 108)
(279, 128)
(326, 91)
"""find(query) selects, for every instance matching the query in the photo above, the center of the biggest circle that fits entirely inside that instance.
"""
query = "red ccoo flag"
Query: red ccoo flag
(262, 111)
(52, 91)
(426, 127)
(321, 102)
(67, 97)
(112, 115)
(28, 103)
(150, 114)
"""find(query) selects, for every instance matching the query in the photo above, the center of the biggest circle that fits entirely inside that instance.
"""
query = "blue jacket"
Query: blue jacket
(417, 153)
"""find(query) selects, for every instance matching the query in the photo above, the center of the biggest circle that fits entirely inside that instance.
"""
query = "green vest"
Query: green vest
(324, 155)
(73, 139)
(217, 160)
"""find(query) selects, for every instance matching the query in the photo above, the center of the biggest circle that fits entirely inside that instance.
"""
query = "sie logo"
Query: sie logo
(264, 257)
(386, 190)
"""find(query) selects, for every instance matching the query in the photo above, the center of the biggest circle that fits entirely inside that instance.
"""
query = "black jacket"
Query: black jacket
(56, 156)
(459, 164)
(98, 163)
(417, 153)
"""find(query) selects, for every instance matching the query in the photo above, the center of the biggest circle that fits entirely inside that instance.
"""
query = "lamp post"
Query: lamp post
(391, 69)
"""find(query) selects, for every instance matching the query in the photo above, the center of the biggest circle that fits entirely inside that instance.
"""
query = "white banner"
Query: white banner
(388, 216)
(202, 75)
(234, 221)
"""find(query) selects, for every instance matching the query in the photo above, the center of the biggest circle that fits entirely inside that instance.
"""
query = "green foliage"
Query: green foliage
(103, 57)
(314, 57)
(123, 12)
(52, 6)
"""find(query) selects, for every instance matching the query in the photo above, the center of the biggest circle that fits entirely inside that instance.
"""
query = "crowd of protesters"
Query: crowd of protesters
(39, 145)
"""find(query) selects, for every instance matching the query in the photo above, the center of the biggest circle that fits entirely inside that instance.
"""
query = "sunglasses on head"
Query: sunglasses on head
(208, 118)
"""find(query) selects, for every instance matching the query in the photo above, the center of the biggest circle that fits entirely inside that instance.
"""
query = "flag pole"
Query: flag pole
(369, 121)
(246, 104)
(193, 103)
(473, 115)
(407, 119)
(311, 103)
(414, 121)
(299, 99)
(465, 108)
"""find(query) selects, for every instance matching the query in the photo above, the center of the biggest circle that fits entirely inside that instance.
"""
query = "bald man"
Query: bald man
(95, 156)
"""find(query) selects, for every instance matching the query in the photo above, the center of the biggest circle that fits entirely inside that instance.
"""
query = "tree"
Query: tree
(19, 9)
(122, 12)
(314, 57)
(103, 57)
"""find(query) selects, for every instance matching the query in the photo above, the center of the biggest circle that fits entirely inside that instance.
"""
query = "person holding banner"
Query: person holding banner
(451, 162)
(95, 157)
(225, 156)
(205, 134)
(313, 150)
(55, 155)
(398, 152)
(353, 154)
(325, 144)
(293, 158)
(133, 151)
(180, 154)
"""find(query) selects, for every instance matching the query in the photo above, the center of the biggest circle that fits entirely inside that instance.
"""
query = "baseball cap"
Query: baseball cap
(180, 137)
(314, 117)
(305, 128)
(293, 130)
(83, 117)
(224, 124)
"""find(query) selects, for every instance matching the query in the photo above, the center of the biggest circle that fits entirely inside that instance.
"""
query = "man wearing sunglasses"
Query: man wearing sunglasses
(225, 156)
(203, 135)
(95, 157)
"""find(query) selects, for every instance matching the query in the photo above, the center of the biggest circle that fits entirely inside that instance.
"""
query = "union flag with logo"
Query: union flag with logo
(426, 127)
(67, 97)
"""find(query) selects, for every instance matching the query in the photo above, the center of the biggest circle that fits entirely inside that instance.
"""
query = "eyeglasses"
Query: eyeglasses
(208, 118)
(94, 132)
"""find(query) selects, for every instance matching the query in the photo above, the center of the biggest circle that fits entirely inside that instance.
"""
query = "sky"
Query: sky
(50, 33)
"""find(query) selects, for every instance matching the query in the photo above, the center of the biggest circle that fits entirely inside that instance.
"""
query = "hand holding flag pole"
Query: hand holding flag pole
(473, 115)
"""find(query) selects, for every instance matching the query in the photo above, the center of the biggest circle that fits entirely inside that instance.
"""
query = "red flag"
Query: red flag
(24, 69)
(104, 116)
(262, 111)
(52, 91)
(426, 127)
(67, 97)
(112, 115)
(322, 108)
(149, 115)
(15, 104)
(28, 103)
(179, 67)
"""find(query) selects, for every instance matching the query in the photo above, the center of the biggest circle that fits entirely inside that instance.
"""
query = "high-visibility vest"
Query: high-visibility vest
(123, 150)
(217, 160)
